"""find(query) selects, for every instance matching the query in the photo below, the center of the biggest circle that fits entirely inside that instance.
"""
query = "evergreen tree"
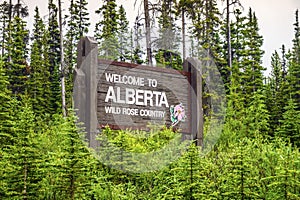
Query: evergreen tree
(257, 116)
(167, 44)
(78, 25)
(205, 17)
(4, 7)
(18, 69)
(294, 65)
(22, 173)
(6, 112)
(252, 70)
(123, 35)
(39, 85)
(235, 113)
(106, 31)
(136, 49)
(54, 57)
(275, 92)
(69, 160)
(289, 126)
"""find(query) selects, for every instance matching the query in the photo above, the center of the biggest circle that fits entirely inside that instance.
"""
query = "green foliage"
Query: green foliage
(136, 49)
(69, 160)
(257, 116)
(290, 126)
(106, 30)
(169, 59)
(275, 92)
(168, 40)
(123, 35)
(253, 70)
(6, 111)
(21, 175)
(4, 7)
(39, 79)
(17, 67)
(53, 55)
(78, 26)
(293, 75)
(44, 156)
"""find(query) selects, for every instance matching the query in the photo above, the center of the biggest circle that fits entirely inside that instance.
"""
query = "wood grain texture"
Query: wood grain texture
(175, 84)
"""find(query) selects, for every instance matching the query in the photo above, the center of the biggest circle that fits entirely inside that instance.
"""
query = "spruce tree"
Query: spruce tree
(78, 26)
(136, 48)
(289, 126)
(106, 31)
(22, 173)
(123, 35)
(54, 57)
(294, 65)
(252, 70)
(4, 7)
(257, 116)
(69, 160)
(167, 43)
(6, 112)
(275, 92)
(39, 85)
(18, 69)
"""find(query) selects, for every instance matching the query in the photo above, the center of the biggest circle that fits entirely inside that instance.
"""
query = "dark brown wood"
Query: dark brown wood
(175, 84)
(91, 87)
(192, 66)
(144, 67)
(85, 87)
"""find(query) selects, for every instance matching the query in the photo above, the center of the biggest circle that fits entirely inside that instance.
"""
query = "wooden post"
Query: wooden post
(192, 65)
(85, 87)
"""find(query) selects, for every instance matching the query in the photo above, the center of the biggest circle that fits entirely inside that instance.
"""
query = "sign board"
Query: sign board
(133, 96)
(130, 96)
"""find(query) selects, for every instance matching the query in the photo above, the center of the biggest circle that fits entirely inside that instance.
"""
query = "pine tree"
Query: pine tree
(275, 92)
(69, 160)
(22, 173)
(78, 25)
(18, 69)
(39, 85)
(106, 31)
(6, 112)
(294, 64)
(289, 125)
(136, 49)
(252, 70)
(257, 116)
(206, 22)
(4, 7)
(123, 35)
(235, 113)
(167, 44)
(182, 8)
(54, 57)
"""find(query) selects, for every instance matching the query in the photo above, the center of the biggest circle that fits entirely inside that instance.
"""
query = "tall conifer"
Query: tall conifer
(106, 31)
(54, 57)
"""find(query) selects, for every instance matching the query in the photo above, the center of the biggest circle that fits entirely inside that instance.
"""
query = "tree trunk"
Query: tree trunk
(19, 8)
(3, 38)
(148, 35)
(63, 92)
(229, 61)
(183, 34)
(9, 30)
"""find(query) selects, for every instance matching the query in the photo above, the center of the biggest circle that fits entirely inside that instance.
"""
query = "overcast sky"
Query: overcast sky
(275, 18)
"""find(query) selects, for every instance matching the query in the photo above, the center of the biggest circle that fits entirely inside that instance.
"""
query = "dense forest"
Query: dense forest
(42, 150)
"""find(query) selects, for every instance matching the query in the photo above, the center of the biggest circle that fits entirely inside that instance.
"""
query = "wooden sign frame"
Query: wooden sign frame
(91, 88)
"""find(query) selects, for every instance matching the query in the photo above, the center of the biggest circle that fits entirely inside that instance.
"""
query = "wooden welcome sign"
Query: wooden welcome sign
(130, 96)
